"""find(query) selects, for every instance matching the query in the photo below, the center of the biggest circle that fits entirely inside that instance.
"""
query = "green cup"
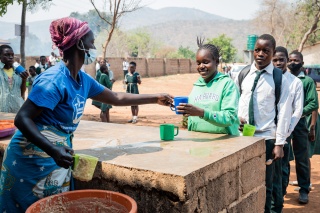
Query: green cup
(248, 130)
(27, 83)
(167, 132)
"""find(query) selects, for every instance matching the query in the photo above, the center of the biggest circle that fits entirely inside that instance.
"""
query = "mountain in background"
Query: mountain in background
(147, 16)
(174, 26)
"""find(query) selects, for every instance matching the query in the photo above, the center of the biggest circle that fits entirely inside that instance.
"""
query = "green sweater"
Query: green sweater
(310, 95)
(219, 98)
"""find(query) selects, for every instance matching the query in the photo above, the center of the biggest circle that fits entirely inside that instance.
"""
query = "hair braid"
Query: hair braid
(215, 51)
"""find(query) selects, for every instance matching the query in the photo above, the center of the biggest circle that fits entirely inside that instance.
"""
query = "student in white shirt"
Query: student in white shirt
(264, 113)
(296, 98)
(98, 63)
(52, 59)
(125, 67)
(36, 65)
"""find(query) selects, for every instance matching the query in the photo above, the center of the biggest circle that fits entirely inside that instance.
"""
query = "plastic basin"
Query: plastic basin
(7, 128)
(7, 132)
(90, 200)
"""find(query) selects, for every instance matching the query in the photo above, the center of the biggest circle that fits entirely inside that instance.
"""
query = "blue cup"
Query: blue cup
(19, 69)
(177, 100)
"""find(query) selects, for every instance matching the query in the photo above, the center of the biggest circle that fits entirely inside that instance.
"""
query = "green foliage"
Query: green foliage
(4, 4)
(185, 52)
(96, 24)
(304, 13)
(140, 44)
(32, 5)
(228, 51)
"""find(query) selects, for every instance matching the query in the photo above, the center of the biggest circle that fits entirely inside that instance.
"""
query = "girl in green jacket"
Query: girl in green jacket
(213, 102)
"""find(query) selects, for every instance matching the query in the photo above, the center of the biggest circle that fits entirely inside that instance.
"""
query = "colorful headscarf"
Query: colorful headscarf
(65, 32)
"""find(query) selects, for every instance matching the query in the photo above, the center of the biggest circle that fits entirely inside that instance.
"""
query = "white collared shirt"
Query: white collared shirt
(296, 98)
(263, 103)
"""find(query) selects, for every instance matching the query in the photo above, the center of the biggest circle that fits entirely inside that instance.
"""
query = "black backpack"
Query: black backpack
(277, 78)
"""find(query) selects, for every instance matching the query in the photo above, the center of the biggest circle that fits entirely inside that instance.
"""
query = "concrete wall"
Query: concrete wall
(151, 67)
(311, 54)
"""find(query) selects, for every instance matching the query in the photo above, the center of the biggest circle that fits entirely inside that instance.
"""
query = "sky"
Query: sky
(233, 9)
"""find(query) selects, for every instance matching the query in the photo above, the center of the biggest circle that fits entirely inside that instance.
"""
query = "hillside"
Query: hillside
(38, 28)
(185, 32)
(147, 16)
(174, 26)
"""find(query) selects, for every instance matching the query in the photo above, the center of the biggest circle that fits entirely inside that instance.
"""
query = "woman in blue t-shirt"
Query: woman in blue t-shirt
(37, 160)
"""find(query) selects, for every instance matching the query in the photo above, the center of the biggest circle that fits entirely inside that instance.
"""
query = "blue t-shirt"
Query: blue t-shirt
(62, 97)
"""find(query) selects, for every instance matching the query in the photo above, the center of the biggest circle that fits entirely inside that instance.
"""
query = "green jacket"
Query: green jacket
(219, 98)
(310, 94)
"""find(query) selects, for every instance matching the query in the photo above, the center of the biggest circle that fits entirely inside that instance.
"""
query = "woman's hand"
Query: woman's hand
(62, 155)
(165, 99)
(189, 110)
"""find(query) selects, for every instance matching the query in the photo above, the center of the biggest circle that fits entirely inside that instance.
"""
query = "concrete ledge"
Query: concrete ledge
(197, 172)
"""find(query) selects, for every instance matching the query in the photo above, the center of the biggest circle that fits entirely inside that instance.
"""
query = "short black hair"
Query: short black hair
(5, 46)
(296, 52)
(43, 57)
(104, 69)
(280, 49)
(133, 63)
(214, 50)
(270, 38)
(32, 67)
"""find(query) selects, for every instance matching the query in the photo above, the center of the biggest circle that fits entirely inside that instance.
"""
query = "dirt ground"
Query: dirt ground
(154, 115)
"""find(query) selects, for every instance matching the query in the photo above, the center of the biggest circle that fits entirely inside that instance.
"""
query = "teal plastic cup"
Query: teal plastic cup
(248, 130)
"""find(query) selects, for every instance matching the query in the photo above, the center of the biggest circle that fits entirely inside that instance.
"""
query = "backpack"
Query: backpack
(277, 78)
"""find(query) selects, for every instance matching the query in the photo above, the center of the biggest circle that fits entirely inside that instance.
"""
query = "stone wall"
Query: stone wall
(235, 184)
(151, 67)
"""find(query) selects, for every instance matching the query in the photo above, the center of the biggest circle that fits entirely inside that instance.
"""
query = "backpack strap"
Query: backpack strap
(242, 74)
(277, 78)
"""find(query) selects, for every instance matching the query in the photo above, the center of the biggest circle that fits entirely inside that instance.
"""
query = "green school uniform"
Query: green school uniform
(41, 69)
(310, 95)
(105, 81)
(97, 103)
(310, 104)
(132, 82)
(314, 146)
(219, 98)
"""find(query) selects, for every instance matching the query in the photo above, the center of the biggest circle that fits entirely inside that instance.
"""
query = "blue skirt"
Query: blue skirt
(29, 174)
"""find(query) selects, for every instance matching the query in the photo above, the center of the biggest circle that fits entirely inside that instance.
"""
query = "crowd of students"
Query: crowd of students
(273, 94)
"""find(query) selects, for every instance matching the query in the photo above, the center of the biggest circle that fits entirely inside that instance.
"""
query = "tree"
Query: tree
(31, 5)
(311, 10)
(292, 25)
(117, 8)
(139, 43)
(118, 46)
(276, 16)
(96, 24)
(185, 52)
(227, 50)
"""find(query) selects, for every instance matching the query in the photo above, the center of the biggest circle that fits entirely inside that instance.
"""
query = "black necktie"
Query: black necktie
(251, 111)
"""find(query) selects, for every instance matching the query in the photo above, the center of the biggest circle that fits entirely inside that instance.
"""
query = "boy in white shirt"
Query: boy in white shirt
(296, 97)
(256, 107)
